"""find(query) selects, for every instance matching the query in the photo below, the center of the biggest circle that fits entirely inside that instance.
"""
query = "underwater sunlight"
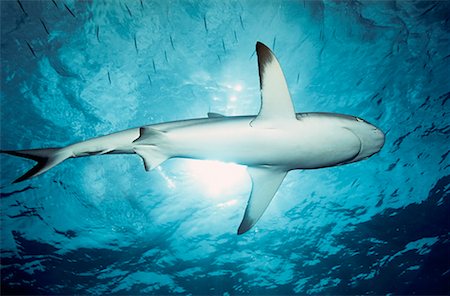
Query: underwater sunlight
(102, 225)
(217, 179)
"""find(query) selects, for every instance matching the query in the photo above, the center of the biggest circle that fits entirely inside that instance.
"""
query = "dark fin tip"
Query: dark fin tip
(263, 49)
(20, 153)
(265, 56)
(30, 174)
(245, 226)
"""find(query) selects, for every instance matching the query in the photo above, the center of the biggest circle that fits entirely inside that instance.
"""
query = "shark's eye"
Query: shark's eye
(359, 119)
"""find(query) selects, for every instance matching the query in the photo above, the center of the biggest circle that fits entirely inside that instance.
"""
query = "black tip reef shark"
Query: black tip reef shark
(270, 144)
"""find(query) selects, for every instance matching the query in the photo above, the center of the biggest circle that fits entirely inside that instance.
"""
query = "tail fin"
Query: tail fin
(46, 159)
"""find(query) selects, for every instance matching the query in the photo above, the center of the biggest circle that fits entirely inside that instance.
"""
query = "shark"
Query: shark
(272, 143)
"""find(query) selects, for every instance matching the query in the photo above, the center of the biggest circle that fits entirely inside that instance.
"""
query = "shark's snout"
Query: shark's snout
(377, 139)
(372, 139)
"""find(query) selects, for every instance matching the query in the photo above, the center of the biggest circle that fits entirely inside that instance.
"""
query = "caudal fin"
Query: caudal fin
(46, 159)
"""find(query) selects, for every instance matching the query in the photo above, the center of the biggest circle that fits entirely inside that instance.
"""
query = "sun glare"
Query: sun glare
(218, 179)
(238, 87)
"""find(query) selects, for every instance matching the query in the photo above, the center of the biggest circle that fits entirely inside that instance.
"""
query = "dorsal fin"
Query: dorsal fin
(276, 103)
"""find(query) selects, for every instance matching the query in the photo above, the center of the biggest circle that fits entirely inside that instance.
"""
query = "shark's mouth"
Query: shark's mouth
(357, 154)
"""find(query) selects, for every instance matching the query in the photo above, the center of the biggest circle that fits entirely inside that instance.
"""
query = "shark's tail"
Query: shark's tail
(46, 159)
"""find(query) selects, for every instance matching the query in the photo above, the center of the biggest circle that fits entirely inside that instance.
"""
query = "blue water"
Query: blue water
(99, 225)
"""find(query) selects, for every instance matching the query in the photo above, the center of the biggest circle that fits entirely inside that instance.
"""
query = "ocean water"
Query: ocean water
(74, 70)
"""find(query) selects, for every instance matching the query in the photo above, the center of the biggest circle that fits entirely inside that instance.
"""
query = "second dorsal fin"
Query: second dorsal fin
(215, 115)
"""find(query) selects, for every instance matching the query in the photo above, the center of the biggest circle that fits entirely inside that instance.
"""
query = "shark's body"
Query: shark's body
(272, 143)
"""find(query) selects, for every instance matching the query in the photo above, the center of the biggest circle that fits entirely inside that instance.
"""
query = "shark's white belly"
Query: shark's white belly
(310, 143)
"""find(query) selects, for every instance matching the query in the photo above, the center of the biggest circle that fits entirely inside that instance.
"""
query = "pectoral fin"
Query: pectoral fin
(148, 146)
(266, 182)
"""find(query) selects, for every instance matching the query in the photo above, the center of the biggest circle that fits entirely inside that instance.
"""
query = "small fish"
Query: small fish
(304, 39)
(154, 66)
(242, 22)
(60, 73)
(298, 77)
(31, 49)
(388, 54)
(445, 98)
(274, 43)
(129, 11)
(165, 55)
(379, 101)
(21, 7)
(253, 54)
(223, 46)
(374, 96)
(206, 25)
(97, 31)
(322, 49)
(45, 27)
(142, 5)
(218, 57)
(171, 42)
(429, 9)
(54, 2)
(235, 36)
(70, 11)
(109, 78)
(135, 44)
